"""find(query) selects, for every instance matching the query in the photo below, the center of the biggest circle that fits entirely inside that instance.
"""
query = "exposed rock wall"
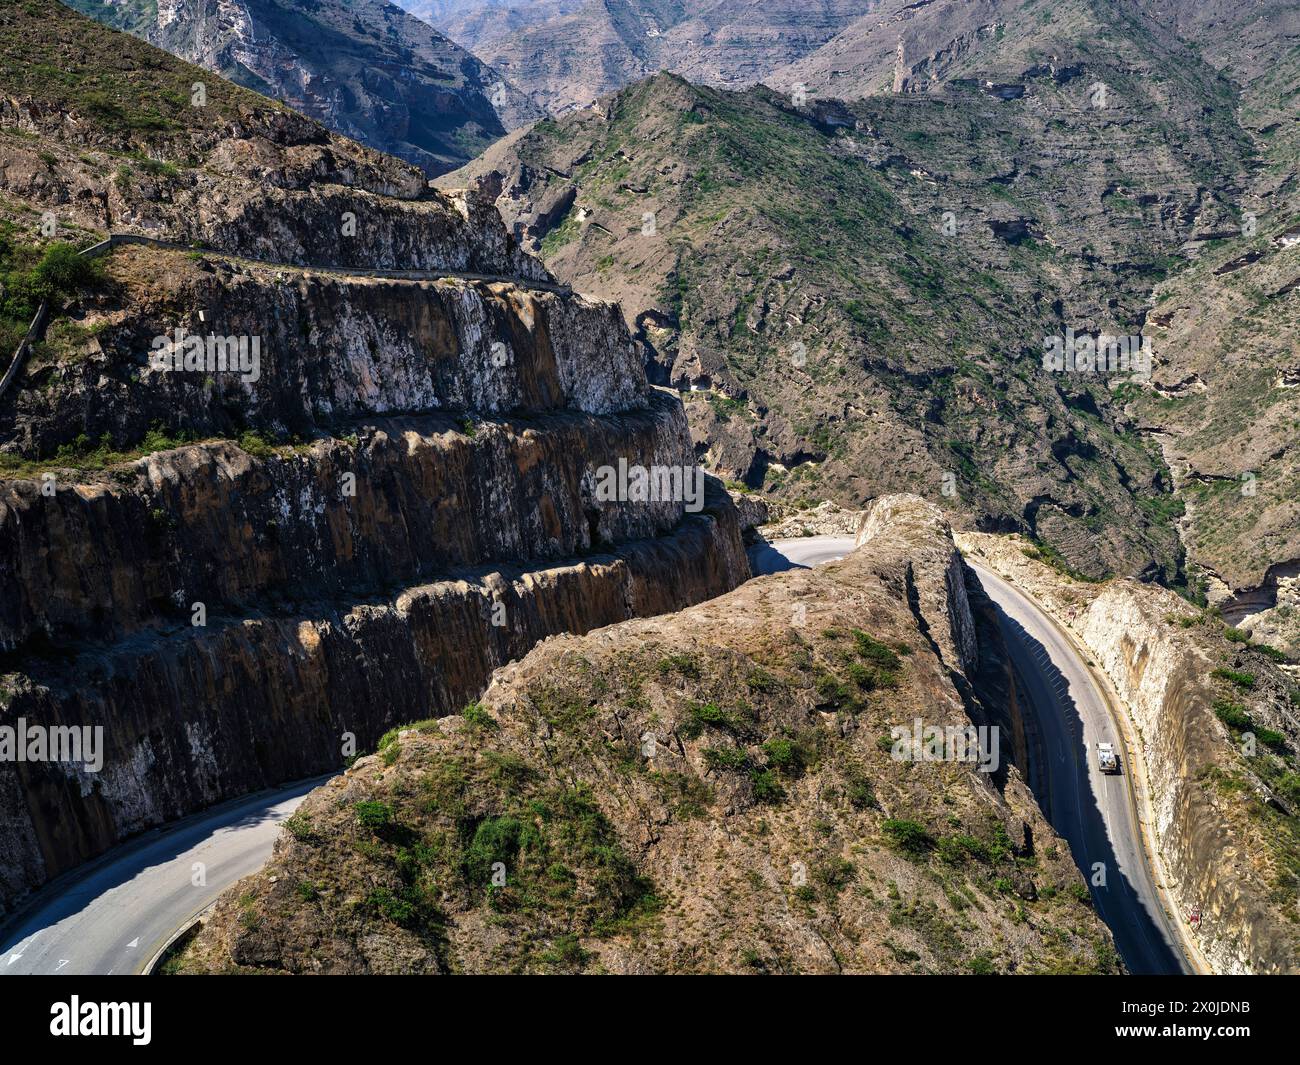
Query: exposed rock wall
(1223, 818)
(196, 716)
(329, 349)
(211, 523)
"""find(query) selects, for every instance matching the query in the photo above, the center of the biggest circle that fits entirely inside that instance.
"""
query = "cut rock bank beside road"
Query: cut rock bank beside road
(1217, 724)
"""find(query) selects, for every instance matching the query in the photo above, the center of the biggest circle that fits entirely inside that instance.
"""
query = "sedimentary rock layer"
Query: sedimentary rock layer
(401, 501)
(195, 716)
(328, 348)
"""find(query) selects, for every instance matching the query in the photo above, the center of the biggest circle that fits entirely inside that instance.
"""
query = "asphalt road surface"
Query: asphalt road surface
(113, 915)
(1093, 811)
(810, 551)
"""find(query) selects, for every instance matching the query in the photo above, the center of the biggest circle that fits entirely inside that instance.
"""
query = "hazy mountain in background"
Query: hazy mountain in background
(568, 52)
(1032, 175)
(364, 68)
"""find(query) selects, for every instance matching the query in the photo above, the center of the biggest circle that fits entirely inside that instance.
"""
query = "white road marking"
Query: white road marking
(22, 949)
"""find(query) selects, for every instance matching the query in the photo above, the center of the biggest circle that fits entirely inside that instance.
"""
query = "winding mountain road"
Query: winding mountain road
(782, 555)
(114, 915)
(1096, 813)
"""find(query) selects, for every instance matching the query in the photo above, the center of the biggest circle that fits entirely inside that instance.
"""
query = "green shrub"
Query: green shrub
(495, 840)
(835, 874)
(1245, 681)
(683, 664)
(1275, 741)
(872, 650)
(1232, 714)
(858, 791)
(477, 716)
(255, 444)
(373, 815)
(767, 788)
(566, 950)
(396, 908)
(64, 272)
(786, 756)
(299, 826)
(725, 758)
(704, 715)
(908, 836)
(1271, 653)
(956, 849)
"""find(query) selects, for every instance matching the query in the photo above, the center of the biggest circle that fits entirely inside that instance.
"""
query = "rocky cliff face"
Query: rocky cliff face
(1219, 731)
(243, 573)
(402, 499)
(365, 346)
(566, 53)
(702, 792)
(363, 68)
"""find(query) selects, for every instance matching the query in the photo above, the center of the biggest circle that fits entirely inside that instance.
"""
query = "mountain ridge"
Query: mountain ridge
(365, 69)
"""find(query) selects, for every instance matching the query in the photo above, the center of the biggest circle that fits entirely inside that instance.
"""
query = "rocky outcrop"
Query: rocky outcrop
(825, 519)
(311, 564)
(700, 792)
(130, 139)
(936, 578)
(1219, 735)
(303, 352)
(403, 500)
(269, 186)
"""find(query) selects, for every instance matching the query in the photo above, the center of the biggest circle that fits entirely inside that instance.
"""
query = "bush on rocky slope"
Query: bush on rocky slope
(709, 791)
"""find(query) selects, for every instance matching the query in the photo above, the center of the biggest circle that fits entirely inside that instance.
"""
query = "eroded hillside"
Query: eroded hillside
(713, 791)
(566, 53)
(858, 295)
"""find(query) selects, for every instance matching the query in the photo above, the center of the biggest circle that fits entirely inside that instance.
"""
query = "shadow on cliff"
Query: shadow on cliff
(140, 861)
(1062, 788)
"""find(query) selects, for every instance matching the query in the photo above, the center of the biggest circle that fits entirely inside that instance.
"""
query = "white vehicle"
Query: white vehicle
(1106, 758)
